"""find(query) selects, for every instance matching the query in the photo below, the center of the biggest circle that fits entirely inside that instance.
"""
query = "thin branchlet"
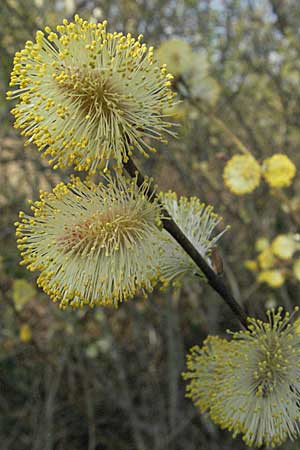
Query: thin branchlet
(169, 225)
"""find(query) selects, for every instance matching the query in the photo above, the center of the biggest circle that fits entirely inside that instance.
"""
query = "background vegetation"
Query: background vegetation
(110, 379)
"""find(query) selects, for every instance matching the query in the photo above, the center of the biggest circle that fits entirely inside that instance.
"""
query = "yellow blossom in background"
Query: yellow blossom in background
(206, 89)
(296, 269)
(87, 96)
(25, 333)
(92, 243)
(278, 170)
(22, 293)
(177, 54)
(201, 85)
(198, 67)
(284, 246)
(268, 266)
(251, 265)
(261, 244)
(274, 278)
(266, 259)
(242, 174)
(250, 385)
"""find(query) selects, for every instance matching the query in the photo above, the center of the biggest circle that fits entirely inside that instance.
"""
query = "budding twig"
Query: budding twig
(169, 225)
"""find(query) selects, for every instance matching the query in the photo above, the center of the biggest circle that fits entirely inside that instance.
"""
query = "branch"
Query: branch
(169, 225)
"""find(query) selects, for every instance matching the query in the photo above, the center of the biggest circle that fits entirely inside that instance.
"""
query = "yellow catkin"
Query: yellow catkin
(274, 278)
(284, 246)
(279, 170)
(199, 223)
(92, 244)
(250, 385)
(242, 174)
(87, 96)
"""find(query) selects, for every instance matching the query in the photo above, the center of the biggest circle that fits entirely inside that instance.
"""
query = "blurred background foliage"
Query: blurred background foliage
(110, 379)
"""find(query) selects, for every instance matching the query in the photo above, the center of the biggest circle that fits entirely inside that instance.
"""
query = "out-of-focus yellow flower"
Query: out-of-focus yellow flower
(200, 165)
(261, 244)
(206, 89)
(25, 333)
(251, 265)
(296, 269)
(278, 170)
(284, 246)
(266, 259)
(198, 67)
(177, 54)
(242, 174)
(274, 278)
(22, 293)
(202, 86)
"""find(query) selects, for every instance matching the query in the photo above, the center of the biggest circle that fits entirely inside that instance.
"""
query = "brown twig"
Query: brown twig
(169, 225)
